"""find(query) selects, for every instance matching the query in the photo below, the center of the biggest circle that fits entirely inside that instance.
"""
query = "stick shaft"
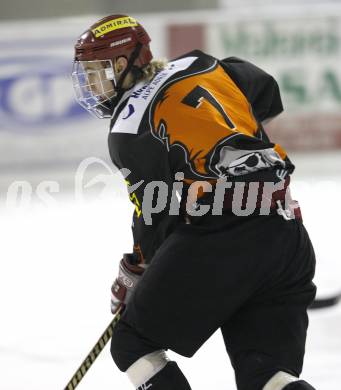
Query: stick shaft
(321, 303)
(92, 355)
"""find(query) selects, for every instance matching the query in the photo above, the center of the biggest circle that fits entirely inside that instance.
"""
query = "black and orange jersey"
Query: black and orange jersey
(199, 116)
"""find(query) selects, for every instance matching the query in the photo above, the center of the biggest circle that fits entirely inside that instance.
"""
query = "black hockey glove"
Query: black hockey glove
(129, 275)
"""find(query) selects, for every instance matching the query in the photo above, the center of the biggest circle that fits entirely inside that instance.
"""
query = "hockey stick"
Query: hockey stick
(93, 354)
(321, 303)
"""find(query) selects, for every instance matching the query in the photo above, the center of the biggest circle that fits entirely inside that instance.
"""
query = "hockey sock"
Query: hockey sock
(155, 370)
(285, 381)
(169, 378)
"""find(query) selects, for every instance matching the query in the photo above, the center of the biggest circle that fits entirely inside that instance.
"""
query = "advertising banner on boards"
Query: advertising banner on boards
(43, 131)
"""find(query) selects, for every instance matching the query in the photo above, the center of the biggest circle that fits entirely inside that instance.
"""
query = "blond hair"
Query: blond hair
(155, 66)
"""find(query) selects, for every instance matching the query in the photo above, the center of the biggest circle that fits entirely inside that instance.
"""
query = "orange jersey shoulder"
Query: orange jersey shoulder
(201, 110)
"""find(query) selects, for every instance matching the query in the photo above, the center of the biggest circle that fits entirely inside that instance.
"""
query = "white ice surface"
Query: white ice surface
(57, 264)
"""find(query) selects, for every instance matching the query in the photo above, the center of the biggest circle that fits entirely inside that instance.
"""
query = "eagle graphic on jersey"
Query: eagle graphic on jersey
(209, 118)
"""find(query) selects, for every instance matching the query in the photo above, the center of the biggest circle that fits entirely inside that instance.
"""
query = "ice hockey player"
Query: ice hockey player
(197, 120)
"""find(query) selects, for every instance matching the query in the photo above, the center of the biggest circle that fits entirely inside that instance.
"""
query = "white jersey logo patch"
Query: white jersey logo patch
(142, 94)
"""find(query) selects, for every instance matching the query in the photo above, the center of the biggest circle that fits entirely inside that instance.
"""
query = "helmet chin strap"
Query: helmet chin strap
(118, 88)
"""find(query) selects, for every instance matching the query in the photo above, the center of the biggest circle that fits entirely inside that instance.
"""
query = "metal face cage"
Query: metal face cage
(94, 84)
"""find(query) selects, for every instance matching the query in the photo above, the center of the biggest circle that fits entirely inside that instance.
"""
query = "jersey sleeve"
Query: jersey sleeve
(147, 161)
(260, 88)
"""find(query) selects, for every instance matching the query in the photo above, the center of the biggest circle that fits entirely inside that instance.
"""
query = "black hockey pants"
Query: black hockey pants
(249, 276)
